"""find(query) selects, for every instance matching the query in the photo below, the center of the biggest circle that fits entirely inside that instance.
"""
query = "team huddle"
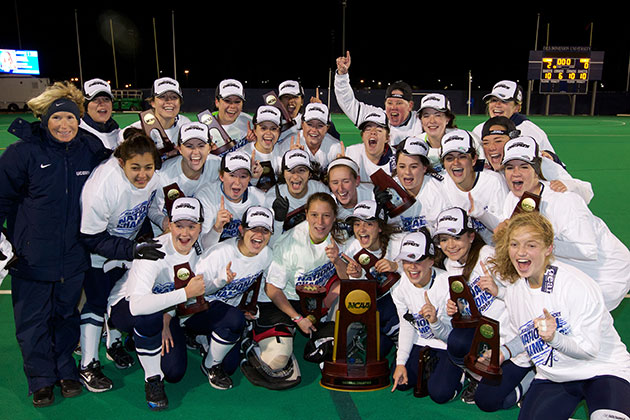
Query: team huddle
(197, 236)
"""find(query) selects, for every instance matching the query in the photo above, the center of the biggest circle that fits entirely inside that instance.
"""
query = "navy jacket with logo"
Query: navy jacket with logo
(40, 200)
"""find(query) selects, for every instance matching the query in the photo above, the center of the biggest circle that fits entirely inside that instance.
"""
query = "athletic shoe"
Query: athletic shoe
(217, 377)
(44, 397)
(154, 393)
(468, 394)
(70, 388)
(117, 354)
(93, 379)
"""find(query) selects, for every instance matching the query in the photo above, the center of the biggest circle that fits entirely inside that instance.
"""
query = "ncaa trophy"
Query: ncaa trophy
(217, 134)
(171, 193)
(483, 358)
(357, 304)
(384, 281)
(249, 299)
(270, 98)
(150, 124)
(312, 301)
(467, 314)
(401, 200)
(183, 274)
(529, 202)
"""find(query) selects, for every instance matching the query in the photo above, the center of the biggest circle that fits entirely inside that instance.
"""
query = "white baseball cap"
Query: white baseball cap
(436, 101)
(290, 87)
(268, 113)
(521, 148)
(236, 160)
(166, 84)
(416, 246)
(231, 87)
(193, 130)
(456, 141)
(506, 90)
(318, 112)
(93, 87)
(187, 208)
(367, 210)
(376, 116)
(294, 158)
(257, 216)
(414, 146)
(453, 221)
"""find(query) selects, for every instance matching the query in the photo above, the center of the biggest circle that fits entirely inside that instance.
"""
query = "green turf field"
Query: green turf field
(585, 144)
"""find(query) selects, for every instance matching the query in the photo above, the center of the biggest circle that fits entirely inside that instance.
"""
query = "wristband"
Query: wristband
(297, 319)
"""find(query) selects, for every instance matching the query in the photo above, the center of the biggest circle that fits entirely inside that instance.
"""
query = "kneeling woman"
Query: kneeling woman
(420, 326)
(564, 327)
(247, 258)
(140, 301)
(467, 255)
(307, 254)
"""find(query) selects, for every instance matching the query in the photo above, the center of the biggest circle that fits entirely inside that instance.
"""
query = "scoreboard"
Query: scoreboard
(565, 69)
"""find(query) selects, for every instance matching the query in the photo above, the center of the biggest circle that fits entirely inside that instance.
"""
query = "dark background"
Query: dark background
(432, 46)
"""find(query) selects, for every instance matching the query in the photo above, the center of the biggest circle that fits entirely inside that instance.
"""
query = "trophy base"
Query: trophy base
(491, 373)
(192, 309)
(223, 149)
(344, 377)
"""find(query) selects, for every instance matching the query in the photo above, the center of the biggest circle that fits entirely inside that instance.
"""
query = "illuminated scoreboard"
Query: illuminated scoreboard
(565, 69)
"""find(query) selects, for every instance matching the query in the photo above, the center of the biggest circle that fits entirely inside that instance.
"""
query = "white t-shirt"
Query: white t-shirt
(409, 298)
(210, 198)
(110, 202)
(488, 192)
(172, 172)
(430, 201)
(296, 260)
(583, 240)
(356, 152)
(356, 111)
(238, 130)
(149, 285)
(213, 266)
(585, 344)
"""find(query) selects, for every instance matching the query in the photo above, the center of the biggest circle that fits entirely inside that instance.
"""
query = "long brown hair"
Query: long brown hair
(471, 258)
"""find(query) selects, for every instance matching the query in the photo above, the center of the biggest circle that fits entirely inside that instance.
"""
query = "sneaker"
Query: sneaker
(117, 354)
(217, 377)
(468, 394)
(93, 379)
(154, 393)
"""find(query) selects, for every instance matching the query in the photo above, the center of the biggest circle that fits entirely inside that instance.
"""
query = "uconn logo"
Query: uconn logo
(234, 85)
(98, 82)
(453, 138)
(519, 144)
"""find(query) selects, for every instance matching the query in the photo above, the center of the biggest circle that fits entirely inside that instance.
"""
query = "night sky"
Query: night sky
(264, 43)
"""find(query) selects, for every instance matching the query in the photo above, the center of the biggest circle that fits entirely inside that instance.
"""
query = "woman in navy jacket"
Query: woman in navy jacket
(43, 174)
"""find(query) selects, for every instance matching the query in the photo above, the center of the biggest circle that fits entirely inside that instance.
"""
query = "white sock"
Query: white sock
(218, 350)
(90, 340)
(151, 364)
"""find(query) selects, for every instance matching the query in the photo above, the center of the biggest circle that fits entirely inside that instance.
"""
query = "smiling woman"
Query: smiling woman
(44, 173)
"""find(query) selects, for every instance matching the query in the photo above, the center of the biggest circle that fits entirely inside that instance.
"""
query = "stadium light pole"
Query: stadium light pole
(76, 24)
(157, 62)
(174, 55)
(344, 3)
(17, 21)
(111, 29)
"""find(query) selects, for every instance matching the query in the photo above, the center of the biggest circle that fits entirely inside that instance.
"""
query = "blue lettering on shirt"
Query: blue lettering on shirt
(423, 327)
(537, 349)
(130, 220)
(159, 288)
(412, 224)
(483, 299)
(235, 288)
(230, 230)
(318, 276)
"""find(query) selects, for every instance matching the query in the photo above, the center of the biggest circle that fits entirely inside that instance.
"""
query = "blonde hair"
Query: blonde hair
(501, 264)
(39, 104)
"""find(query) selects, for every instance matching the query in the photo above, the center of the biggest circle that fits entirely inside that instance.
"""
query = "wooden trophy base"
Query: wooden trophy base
(353, 378)
(486, 371)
